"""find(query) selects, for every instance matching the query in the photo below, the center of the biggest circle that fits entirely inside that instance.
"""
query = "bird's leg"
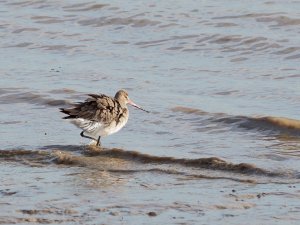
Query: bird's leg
(98, 141)
(82, 135)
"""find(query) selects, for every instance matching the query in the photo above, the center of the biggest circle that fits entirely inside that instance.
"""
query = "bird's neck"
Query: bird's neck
(122, 104)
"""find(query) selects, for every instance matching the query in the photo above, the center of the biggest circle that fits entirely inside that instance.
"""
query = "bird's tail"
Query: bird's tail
(68, 112)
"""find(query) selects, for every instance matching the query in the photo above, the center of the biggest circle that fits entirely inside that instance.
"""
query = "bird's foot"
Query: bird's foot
(94, 146)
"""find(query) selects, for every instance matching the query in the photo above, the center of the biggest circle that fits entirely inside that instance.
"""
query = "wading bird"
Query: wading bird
(100, 115)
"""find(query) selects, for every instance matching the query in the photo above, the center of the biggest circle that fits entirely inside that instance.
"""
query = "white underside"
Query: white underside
(95, 129)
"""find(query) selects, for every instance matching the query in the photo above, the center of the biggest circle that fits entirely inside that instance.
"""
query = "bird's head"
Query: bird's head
(123, 98)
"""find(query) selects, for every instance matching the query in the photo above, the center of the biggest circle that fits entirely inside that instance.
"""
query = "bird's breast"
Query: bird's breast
(118, 123)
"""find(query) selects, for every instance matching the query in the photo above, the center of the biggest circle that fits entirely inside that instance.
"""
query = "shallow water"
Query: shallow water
(220, 145)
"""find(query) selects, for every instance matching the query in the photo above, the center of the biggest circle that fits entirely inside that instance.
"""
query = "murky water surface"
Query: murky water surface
(220, 146)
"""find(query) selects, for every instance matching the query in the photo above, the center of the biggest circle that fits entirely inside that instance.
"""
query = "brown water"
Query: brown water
(220, 146)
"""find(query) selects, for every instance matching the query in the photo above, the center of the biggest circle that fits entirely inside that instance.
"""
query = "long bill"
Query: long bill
(136, 106)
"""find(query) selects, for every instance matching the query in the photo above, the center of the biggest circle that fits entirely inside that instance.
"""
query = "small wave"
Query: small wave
(248, 15)
(103, 21)
(280, 20)
(63, 157)
(60, 47)
(20, 45)
(81, 7)
(63, 90)
(187, 176)
(128, 162)
(4, 91)
(28, 157)
(213, 163)
(270, 124)
(286, 50)
(32, 98)
(12, 153)
(188, 110)
(21, 30)
(282, 122)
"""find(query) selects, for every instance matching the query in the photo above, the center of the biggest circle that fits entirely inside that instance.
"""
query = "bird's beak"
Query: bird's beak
(136, 106)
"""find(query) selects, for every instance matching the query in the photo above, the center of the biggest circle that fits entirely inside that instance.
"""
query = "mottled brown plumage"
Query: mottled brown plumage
(100, 115)
(100, 108)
